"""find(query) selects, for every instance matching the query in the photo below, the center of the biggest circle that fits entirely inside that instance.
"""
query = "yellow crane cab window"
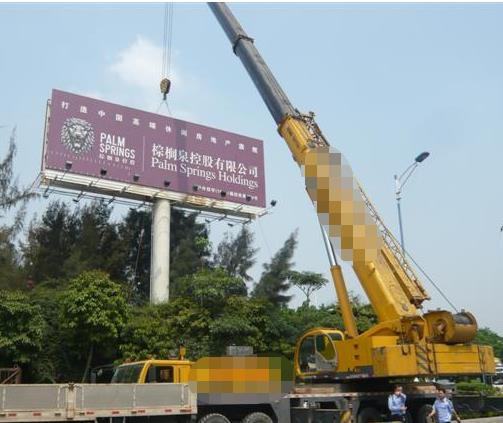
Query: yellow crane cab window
(307, 361)
(160, 374)
(326, 356)
(336, 336)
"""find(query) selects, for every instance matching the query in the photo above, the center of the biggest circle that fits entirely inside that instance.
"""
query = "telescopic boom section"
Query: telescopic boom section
(274, 97)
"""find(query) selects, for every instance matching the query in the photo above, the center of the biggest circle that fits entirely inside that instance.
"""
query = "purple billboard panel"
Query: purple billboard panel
(108, 141)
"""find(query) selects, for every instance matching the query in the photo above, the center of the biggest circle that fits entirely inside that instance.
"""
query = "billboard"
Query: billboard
(91, 142)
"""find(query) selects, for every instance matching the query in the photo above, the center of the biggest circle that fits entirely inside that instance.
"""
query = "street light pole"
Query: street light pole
(400, 182)
(398, 198)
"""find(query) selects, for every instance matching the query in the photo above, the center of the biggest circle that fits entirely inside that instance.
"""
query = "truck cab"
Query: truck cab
(153, 371)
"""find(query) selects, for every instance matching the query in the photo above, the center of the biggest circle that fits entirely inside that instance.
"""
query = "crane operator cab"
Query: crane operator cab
(316, 355)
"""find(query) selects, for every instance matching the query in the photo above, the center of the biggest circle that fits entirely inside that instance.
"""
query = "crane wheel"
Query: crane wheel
(257, 418)
(368, 415)
(214, 418)
(422, 414)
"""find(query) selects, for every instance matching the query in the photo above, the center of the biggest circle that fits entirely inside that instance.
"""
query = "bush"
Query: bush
(475, 387)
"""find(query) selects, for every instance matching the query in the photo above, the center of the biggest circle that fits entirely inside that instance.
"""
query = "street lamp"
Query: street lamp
(400, 182)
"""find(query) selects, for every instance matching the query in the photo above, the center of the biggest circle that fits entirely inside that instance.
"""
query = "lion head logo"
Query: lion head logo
(77, 135)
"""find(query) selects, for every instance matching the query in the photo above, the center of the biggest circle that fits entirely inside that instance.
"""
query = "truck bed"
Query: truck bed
(80, 402)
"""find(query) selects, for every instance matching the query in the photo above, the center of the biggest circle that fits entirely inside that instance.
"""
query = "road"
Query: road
(485, 420)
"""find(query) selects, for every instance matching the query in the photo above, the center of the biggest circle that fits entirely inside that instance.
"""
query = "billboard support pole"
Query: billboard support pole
(159, 269)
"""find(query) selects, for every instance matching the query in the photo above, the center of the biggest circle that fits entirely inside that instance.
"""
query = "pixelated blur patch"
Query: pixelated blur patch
(242, 375)
(340, 206)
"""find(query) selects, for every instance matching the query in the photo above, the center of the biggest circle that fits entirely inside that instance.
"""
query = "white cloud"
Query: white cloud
(139, 64)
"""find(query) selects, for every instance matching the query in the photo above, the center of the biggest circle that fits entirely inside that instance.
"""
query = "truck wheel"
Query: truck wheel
(214, 418)
(257, 418)
(368, 415)
(422, 414)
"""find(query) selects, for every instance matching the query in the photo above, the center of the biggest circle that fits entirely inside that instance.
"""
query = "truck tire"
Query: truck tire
(422, 414)
(257, 418)
(368, 415)
(214, 418)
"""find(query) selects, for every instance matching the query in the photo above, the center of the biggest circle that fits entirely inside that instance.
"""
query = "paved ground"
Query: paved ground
(485, 420)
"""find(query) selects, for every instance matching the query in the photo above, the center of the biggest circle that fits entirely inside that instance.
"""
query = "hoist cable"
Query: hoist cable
(167, 40)
(167, 43)
(165, 102)
(432, 282)
(170, 39)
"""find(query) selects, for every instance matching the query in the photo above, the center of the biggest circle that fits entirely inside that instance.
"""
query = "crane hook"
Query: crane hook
(165, 86)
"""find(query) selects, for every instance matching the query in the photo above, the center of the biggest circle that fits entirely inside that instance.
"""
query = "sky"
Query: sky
(386, 81)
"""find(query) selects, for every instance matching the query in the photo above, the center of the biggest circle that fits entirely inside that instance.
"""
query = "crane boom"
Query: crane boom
(343, 220)
(400, 344)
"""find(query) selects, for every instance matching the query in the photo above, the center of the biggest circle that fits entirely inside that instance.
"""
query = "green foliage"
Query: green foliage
(244, 322)
(132, 254)
(273, 283)
(154, 330)
(94, 308)
(189, 245)
(210, 288)
(13, 200)
(50, 242)
(294, 322)
(146, 334)
(94, 241)
(93, 312)
(236, 255)
(12, 195)
(307, 282)
(364, 314)
(476, 387)
(22, 329)
(486, 336)
(11, 272)
(64, 243)
(53, 363)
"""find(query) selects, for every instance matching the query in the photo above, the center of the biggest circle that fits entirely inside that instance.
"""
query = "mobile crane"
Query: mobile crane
(342, 376)
(406, 342)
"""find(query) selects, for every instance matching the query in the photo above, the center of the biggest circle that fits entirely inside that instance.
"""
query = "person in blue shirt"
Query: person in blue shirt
(443, 408)
(396, 404)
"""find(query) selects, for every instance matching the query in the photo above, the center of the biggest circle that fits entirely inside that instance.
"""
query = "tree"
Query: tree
(307, 282)
(236, 255)
(94, 240)
(11, 273)
(12, 194)
(147, 334)
(12, 197)
(93, 312)
(50, 242)
(133, 252)
(53, 364)
(364, 314)
(210, 288)
(189, 244)
(63, 244)
(273, 282)
(486, 336)
(244, 321)
(22, 329)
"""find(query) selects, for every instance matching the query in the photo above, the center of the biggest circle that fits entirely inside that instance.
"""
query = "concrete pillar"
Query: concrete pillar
(159, 260)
